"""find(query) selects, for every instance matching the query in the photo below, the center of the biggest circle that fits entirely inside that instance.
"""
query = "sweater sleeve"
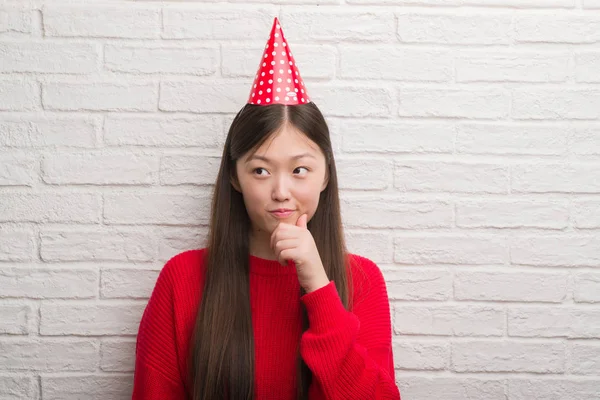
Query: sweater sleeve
(350, 353)
(156, 373)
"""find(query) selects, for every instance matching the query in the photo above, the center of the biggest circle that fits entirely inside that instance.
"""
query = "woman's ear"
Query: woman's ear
(326, 180)
(234, 182)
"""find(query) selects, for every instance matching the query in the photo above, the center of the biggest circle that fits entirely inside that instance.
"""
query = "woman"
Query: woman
(274, 307)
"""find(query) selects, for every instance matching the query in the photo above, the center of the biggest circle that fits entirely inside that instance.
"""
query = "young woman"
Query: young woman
(274, 307)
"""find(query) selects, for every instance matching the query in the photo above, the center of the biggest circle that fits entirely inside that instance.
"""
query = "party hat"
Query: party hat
(278, 80)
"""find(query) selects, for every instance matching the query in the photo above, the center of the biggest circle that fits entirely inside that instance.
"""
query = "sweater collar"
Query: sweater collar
(263, 266)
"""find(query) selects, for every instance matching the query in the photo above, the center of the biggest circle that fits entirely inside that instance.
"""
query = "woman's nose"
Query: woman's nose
(281, 189)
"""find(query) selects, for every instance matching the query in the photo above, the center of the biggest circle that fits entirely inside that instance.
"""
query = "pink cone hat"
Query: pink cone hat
(278, 80)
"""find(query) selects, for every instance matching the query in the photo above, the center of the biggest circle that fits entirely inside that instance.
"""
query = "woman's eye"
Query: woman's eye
(259, 169)
(300, 168)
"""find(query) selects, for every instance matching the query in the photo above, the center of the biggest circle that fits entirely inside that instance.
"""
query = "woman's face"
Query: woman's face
(288, 171)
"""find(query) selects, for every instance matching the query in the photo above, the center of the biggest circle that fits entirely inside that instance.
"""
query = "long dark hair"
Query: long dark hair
(222, 348)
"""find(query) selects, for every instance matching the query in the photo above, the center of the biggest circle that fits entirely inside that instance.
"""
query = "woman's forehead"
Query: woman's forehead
(286, 144)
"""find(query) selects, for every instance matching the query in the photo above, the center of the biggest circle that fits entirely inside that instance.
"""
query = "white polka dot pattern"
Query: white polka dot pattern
(278, 64)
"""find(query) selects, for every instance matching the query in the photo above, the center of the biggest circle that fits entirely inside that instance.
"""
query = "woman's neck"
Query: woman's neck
(260, 245)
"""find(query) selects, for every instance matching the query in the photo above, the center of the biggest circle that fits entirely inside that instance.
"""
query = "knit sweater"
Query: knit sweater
(348, 352)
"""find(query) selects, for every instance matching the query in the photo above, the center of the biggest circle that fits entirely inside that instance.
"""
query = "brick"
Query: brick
(201, 131)
(19, 96)
(156, 208)
(419, 284)
(100, 96)
(512, 66)
(512, 214)
(288, 2)
(100, 169)
(586, 214)
(90, 387)
(389, 212)
(396, 136)
(203, 97)
(213, 22)
(16, 245)
(45, 57)
(352, 101)
(35, 282)
(510, 138)
(13, 387)
(374, 62)
(524, 3)
(448, 320)
(39, 132)
(552, 178)
(489, 103)
(66, 318)
(587, 64)
(117, 355)
(15, 20)
(556, 28)
(429, 176)
(508, 356)
(454, 29)
(587, 287)
(49, 355)
(428, 356)
(14, 320)
(127, 283)
(561, 103)
(450, 388)
(98, 245)
(18, 170)
(585, 139)
(593, 4)
(510, 286)
(444, 249)
(567, 322)
(49, 207)
(189, 169)
(174, 240)
(487, 3)
(585, 359)
(366, 26)
(556, 251)
(241, 61)
(364, 174)
(129, 22)
(375, 245)
(149, 60)
(553, 389)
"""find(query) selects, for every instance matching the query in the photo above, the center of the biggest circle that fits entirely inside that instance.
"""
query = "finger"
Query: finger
(302, 221)
(286, 255)
(282, 246)
(281, 232)
(285, 244)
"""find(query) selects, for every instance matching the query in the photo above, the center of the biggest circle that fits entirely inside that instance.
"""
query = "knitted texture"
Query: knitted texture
(348, 352)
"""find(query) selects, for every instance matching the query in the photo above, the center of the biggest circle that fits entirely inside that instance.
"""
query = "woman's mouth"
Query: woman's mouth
(281, 213)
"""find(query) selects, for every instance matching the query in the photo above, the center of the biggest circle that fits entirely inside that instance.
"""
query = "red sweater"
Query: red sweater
(349, 353)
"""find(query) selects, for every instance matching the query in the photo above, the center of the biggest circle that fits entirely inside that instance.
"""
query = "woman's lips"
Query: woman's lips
(282, 214)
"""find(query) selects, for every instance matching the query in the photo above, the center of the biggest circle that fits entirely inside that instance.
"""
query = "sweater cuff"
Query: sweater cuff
(324, 308)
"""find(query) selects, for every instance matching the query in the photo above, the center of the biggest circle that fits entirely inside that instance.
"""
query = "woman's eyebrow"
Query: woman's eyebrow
(265, 159)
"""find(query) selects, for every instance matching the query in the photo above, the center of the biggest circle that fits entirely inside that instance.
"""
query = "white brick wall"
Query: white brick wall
(468, 144)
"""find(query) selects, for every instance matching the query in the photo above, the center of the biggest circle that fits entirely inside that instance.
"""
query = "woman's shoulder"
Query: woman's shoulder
(187, 266)
(363, 266)
(367, 277)
(186, 257)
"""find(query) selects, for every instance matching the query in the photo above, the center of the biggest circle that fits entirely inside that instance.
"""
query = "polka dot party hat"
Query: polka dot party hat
(278, 80)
